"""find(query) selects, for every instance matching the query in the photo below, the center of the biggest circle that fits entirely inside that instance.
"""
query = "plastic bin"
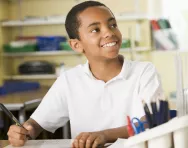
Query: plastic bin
(65, 46)
(126, 43)
(49, 43)
(26, 48)
(18, 86)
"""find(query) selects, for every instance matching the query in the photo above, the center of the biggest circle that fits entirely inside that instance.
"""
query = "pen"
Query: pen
(148, 115)
(11, 116)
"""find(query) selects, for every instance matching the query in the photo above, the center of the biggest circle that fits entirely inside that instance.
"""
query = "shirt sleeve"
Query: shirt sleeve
(149, 89)
(150, 84)
(52, 112)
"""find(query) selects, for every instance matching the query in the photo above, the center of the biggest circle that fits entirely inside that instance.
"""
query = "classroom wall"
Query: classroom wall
(165, 64)
(4, 13)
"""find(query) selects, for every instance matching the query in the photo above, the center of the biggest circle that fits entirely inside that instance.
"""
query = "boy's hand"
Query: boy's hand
(89, 140)
(17, 135)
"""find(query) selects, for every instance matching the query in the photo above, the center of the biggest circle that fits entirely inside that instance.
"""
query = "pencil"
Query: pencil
(148, 114)
(11, 116)
(155, 113)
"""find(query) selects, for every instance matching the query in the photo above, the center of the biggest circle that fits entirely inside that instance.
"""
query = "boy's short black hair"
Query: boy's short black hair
(72, 23)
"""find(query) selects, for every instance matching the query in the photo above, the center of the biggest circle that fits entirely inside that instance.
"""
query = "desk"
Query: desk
(3, 143)
(23, 101)
(63, 143)
(57, 143)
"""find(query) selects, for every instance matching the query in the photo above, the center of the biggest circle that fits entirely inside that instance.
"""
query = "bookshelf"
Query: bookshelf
(17, 23)
(49, 20)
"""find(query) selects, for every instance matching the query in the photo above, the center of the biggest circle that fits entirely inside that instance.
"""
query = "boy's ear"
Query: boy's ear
(76, 45)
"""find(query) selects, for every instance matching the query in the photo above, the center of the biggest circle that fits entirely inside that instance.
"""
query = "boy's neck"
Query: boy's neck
(106, 70)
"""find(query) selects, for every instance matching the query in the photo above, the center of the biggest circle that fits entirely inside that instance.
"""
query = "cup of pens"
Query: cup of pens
(158, 117)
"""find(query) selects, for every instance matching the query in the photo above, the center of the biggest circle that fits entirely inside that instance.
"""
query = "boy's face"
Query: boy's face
(99, 36)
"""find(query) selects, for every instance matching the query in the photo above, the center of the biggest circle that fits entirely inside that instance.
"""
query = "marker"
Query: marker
(129, 127)
(11, 116)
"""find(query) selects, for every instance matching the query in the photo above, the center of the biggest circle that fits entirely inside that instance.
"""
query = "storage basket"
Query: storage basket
(49, 43)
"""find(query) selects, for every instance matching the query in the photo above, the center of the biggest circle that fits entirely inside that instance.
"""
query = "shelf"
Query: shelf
(131, 17)
(40, 53)
(32, 23)
(137, 49)
(31, 77)
(55, 53)
(16, 23)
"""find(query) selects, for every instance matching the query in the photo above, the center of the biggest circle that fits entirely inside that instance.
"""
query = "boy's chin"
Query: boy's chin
(112, 55)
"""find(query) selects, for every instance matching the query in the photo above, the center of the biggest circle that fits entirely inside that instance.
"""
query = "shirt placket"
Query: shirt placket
(106, 99)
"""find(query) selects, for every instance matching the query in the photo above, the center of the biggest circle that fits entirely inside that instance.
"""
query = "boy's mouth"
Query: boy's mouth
(110, 44)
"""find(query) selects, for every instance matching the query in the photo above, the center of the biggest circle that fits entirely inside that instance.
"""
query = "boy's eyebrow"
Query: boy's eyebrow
(97, 23)
(111, 19)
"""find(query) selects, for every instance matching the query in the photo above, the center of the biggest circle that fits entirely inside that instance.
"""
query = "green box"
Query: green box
(65, 46)
(26, 48)
(126, 43)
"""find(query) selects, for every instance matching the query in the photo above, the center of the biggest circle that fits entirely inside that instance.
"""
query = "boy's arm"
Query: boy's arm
(35, 129)
(94, 139)
(17, 135)
(121, 132)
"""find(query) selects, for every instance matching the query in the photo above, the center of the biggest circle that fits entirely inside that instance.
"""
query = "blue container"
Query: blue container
(18, 86)
(173, 113)
(49, 43)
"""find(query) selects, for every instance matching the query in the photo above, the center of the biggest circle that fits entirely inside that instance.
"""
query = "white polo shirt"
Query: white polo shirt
(93, 105)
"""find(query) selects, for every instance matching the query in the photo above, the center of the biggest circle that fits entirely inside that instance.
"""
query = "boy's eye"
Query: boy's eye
(95, 30)
(114, 25)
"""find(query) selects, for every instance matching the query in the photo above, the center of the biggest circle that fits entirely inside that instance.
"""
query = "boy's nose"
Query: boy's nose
(108, 33)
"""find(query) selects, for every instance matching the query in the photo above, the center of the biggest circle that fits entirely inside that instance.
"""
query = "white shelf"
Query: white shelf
(131, 17)
(40, 53)
(31, 77)
(32, 23)
(16, 23)
(55, 53)
(137, 49)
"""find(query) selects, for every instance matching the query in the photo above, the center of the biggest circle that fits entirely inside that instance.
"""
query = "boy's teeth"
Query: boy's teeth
(110, 44)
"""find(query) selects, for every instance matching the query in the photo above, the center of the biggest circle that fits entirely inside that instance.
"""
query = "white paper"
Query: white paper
(118, 144)
(63, 143)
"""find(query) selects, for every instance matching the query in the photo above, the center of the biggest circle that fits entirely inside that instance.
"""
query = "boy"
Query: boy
(96, 97)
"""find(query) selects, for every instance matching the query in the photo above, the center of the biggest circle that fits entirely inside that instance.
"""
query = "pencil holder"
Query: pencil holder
(181, 138)
(164, 141)
(173, 134)
(139, 145)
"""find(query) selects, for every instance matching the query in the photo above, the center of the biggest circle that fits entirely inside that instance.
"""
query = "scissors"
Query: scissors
(140, 127)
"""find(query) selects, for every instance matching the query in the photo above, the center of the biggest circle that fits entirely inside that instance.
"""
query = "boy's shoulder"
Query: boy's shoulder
(74, 71)
(139, 64)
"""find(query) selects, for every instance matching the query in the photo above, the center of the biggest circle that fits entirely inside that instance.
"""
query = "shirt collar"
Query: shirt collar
(123, 74)
(87, 70)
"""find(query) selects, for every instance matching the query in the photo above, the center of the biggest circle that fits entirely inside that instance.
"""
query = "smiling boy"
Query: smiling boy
(96, 97)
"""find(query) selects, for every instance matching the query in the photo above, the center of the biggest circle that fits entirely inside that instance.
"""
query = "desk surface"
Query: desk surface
(23, 97)
(3, 143)
(59, 143)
